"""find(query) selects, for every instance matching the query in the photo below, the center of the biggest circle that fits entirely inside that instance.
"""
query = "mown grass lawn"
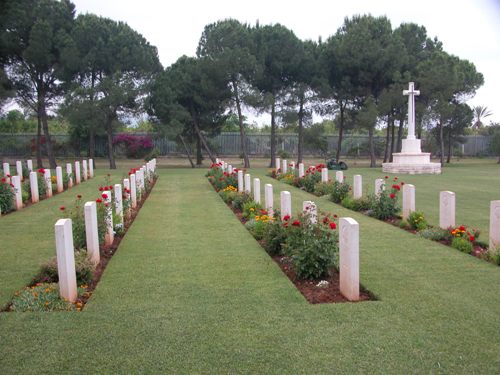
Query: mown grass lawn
(190, 291)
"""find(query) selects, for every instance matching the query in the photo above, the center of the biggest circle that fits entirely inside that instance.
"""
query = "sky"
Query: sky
(469, 29)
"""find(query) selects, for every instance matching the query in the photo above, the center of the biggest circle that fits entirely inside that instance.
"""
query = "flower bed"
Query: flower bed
(305, 247)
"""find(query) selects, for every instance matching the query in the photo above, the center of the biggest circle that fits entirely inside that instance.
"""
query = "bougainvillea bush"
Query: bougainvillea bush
(135, 146)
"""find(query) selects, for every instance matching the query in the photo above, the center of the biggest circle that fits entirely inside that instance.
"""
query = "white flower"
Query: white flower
(323, 284)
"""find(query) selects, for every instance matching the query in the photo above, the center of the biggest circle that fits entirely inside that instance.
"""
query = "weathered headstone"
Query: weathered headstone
(133, 190)
(108, 218)
(240, 181)
(29, 163)
(6, 172)
(284, 168)
(268, 196)
(248, 184)
(91, 232)
(301, 170)
(379, 186)
(34, 187)
(278, 163)
(339, 176)
(310, 211)
(286, 204)
(357, 188)
(408, 200)
(19, 169)
(446, 209)
(59, 180)
(18, 193)
(324, 175)
(84, 170)
(91, 168)
(78, 177)
(494, 226)
(349, 258)
(48, 182)
(65, 259)
(119, 202)
(69, 172)
(256, 190)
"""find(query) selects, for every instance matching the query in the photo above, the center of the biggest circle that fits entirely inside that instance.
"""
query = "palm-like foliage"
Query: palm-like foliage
(480, 113)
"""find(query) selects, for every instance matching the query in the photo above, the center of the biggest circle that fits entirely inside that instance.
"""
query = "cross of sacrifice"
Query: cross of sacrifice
(411, 92)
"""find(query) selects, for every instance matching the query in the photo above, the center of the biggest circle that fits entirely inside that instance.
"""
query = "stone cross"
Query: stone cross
(301, 170)
(494, 226)
(240, 181)
(108, 217)
(349, 258)
(446, 209)
(34, 187)
(411, 92)
(48, 182)
(59, 180)
(19, 169)
(408, 200)
(324, 175)
(69, 172)
(310, 211)
(91, 233)
(18, 197)
(84, 170)
(339, 176)
(91, 168)
(133, 190)
(285, 166)
(286, 204)
(6, 172)
(357, 189)
(268, 195)
(256, 190)
(248, 185)
(66, 259)
(29, 163)
(119, 202)
(379, 186)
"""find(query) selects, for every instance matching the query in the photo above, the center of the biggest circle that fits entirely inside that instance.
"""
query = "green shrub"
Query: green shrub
(385, 205)
(309, 181)
(155, 153)
(417, 221)
(250, 209)
(403, 224)
(340, 191)
(274, 237)
(257, 228)
(435, 234)
(84, 269)
(6, 196)
(240, 199)
(41, 297)
(228, 195)
(462, 244)
(323, 188)
(77, 217)
(361, 204)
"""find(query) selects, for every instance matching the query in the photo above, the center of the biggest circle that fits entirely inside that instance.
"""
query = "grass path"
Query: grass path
(190, 291)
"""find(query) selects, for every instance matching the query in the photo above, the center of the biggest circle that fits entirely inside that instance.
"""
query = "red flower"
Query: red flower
(100, 188)
(386, 177)
(9, 176)
(79, 196)
(106, 188)
(129, 173)
(396, 187)
(11, 185)
(392, 195)
(472, 238)
(104, 195)
(296, 223)
(325, 220)
(110, 187)
(62, 208)
(395, 178)
(263, 212)
(286, 217)
(462, 228)
(98, 200)
(333, 225)
(3, 179)
(402, 183)
(335, 216)
(41, 170)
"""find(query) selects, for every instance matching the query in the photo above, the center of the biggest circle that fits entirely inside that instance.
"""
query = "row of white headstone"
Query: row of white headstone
(348, 231)
(87, 172)
(132, 188)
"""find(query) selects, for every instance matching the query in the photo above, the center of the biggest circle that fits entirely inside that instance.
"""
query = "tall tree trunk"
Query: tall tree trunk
(187, 151)
(45, 126)
(441, 142)
(341, 130)
(387, 139)
(400, 131)
(91, 153)
(109, 131)
(372, 148)
(204, 142)
(199, 157)
(243, 138)
(448, 157)
(393, 140)
(273, 134)
(301, 128)
(39, 160)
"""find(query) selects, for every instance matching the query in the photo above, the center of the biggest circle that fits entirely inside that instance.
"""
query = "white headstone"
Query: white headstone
(311, 211)
(6, 172)
(48, 182)
(301, 170)
(84, 170)
(91, 232)
(278, 163)
(133, 190)
(69, 172)
(78, 177)
(18, 193)
(286, 204)
(446, 209)
(494, 226)
(19, 169)
(256, 190)
(339, 176)
(138, 184)
(91, 168)
(248, 184)
(29, 163)
(292, 165)
(357, 189)
(66, 259)
(284, 169)
(379, 186)
(408, 200)
(126, 188)
(59, 180)
(119, 202)
(324, 175)
(217, 160)
(230, 169)
(34, 187)
(240, 181)
(349, 258)
(108, 217)
(268, 196)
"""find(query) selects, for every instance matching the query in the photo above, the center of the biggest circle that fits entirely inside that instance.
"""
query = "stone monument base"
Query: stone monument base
(412, 163)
